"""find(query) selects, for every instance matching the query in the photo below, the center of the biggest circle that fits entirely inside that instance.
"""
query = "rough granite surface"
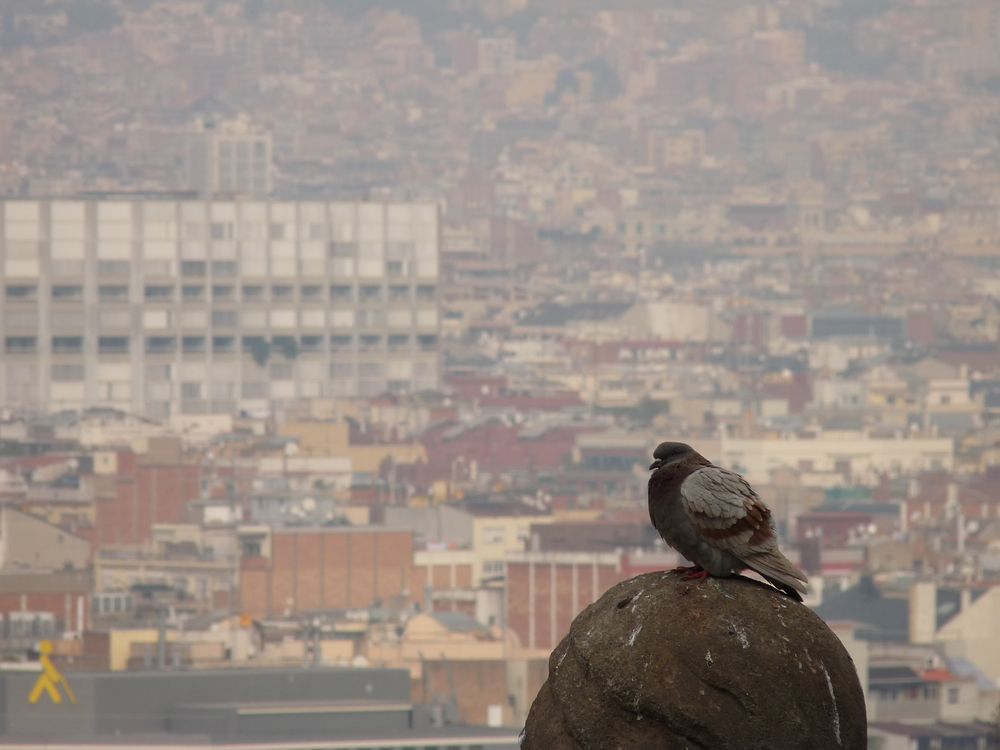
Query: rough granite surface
(721, 664)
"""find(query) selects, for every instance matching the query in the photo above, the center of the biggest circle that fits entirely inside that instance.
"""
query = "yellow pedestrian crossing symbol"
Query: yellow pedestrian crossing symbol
(50, 679)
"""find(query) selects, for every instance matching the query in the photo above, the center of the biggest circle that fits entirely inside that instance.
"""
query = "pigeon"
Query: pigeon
(714, 518)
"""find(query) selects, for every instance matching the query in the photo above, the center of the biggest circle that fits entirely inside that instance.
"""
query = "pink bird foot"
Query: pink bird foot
(695, 575)
(687, 569)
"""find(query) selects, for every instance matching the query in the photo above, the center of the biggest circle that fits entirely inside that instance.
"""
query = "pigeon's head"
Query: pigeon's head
(668, 453)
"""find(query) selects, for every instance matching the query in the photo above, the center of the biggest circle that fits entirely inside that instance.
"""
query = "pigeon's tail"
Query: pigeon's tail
(789, 591)
(779, 572)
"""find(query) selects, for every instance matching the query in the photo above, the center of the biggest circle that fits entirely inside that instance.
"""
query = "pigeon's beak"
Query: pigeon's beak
(656, 464)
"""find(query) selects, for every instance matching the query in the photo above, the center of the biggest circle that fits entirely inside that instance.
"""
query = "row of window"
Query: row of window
(167, 212)
(915, 692)
(110, 322)
(401, 237)
(227, 389)
(67, 268)
(111, 603)
(28, 625)
(288, 346)
(639, 228)
(346, 293)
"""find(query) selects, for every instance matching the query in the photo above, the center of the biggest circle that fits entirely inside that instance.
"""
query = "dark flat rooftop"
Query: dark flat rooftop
(389, 739)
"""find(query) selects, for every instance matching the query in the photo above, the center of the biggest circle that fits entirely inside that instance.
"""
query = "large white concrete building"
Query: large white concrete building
(854, 457)
(169, 308)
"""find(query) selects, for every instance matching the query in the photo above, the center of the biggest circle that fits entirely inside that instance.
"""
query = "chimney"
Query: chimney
(923, 612)
(960, 531)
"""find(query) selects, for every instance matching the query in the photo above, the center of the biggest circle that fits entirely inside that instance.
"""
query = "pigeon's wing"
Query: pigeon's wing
(726, 510)
(728, 514)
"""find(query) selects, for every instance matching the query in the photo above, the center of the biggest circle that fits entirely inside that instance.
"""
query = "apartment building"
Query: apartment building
(232, 157)
(839, 456)
(302, 569)
(168, 307)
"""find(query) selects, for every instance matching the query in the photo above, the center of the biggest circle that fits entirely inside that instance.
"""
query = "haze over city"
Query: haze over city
(338, 336)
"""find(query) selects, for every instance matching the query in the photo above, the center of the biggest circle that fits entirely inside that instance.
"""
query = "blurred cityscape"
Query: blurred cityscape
(337, 336)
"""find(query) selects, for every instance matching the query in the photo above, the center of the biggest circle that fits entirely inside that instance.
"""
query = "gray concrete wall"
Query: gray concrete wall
(228, 722)
(441, 523)
(44, 719)
(143, 702)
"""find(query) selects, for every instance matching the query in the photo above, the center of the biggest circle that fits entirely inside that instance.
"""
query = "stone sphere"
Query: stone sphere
(720, 664)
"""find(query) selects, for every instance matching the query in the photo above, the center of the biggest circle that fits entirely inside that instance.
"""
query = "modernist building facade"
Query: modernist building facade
(172, 307)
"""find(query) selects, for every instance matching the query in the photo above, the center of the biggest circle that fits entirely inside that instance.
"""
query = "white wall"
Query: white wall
(867, 457)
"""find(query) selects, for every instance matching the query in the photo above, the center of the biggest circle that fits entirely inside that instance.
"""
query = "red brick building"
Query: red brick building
(546, 590)
(492, 447)
(932, 495)
(65, 595)
(475, 685)
(301, 570)
(136, 490)
(443, 581)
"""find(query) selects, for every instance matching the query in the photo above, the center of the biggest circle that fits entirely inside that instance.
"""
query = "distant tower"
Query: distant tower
(232, 157)
(810, 209)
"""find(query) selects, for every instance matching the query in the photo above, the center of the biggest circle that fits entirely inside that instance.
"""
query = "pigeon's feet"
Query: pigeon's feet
(695, 575)
(687, 569)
